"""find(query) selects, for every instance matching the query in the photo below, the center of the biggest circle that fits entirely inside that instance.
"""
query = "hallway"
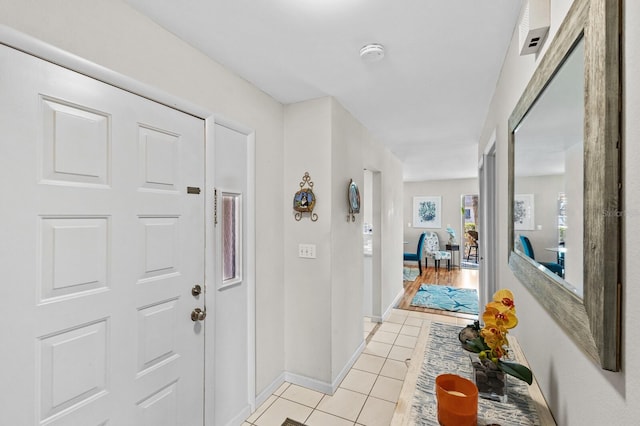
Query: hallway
(370, 392)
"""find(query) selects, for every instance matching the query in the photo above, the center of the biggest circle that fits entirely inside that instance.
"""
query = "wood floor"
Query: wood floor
(456, 277)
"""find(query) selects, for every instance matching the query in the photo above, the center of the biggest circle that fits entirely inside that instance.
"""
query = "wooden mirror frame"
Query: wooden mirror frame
(593, 323)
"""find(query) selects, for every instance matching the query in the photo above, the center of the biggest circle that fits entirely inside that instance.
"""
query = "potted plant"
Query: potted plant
(492, 364)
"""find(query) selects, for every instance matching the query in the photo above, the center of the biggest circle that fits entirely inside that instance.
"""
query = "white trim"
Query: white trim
(249, 227)
(487, 173)
(235, 126)
(309, 383)
(347, 367)
(376, 318)
(492, 142)
(390, 308)
(377, 270)
(240, 260)
(251, 265)
(209, 271)
(268, 391)
(324, 387)
(240, 417)
(34, 47)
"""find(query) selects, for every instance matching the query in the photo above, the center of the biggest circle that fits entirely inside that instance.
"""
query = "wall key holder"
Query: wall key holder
(305, 200)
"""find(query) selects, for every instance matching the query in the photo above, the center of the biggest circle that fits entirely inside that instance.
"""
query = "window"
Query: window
(231, 238)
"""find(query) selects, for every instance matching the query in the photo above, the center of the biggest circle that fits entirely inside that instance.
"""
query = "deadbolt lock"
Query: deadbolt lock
(198, 315)
(196, 290)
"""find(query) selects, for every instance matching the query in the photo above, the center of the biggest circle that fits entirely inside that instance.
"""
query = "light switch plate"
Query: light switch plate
(307, 251)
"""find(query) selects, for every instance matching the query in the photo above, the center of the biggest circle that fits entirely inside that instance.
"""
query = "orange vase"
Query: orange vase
(457, 401)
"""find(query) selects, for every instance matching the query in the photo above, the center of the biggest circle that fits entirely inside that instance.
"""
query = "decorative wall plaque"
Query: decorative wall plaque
(305, 200)
(353, 198)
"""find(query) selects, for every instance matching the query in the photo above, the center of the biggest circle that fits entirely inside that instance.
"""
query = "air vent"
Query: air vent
(534, 26)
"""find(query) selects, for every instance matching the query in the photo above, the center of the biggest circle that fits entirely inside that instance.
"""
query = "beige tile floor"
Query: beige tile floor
(369, 393)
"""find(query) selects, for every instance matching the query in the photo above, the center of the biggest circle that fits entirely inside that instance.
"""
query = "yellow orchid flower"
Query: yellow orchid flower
(494, 336)
(503, 301)
(499, 317)
(506, 319)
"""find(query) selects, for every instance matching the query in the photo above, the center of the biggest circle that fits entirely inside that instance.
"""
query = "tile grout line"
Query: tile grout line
(386, 358)
(379, 374)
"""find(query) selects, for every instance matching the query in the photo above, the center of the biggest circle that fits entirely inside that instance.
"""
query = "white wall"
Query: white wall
(323, 325)
(347, 284)
(110, 33)
(451, 191)
(378, 159)
(308, 281)
(578, 391)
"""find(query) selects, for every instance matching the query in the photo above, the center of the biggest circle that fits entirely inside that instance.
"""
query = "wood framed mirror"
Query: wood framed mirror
(586, 303)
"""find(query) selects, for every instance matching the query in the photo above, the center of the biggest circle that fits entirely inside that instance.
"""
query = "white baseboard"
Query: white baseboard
(241, 417)
(268, 391)
(393, 304)
(324, 387)
(387, 312)
(347, 367)
(308, 382)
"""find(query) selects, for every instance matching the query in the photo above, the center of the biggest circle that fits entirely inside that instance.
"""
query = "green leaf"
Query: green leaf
(516, 370)
(477, 345)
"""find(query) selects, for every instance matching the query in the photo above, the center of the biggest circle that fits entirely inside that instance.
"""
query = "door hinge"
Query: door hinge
(193, 190)
(215, 206)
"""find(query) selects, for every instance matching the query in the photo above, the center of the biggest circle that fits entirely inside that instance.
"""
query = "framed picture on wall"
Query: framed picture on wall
(427, 212)
(523, 212)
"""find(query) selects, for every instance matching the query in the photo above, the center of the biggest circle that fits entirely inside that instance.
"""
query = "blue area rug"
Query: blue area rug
(445, 298)
(409, 274)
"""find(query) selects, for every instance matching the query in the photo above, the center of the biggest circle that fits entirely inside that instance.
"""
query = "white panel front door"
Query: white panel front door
(101, 245)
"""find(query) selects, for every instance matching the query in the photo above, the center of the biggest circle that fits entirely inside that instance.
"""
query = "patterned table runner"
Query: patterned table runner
(444, 354)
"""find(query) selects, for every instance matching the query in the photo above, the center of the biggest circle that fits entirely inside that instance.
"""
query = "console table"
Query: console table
(438, 351)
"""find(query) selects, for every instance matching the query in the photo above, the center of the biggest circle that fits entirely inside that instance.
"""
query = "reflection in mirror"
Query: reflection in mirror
(593, 320)
(548, 176)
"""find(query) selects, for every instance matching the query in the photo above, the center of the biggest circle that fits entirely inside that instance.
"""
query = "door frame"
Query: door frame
(249, 262)
(487, 263)
(376, 248)
(39, 49)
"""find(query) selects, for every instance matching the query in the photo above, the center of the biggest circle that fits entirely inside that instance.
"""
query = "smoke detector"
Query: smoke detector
(373, 52)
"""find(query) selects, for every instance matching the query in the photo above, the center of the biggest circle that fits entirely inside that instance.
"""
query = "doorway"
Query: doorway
(470, 220)
(371, 234)
(488, 205)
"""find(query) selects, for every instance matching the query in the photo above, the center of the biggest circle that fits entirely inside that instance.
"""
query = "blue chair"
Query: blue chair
(416, 257)
(560, 257)
(528, 250)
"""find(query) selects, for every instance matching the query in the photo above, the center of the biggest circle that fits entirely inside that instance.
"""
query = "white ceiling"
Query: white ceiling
(426, 100)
